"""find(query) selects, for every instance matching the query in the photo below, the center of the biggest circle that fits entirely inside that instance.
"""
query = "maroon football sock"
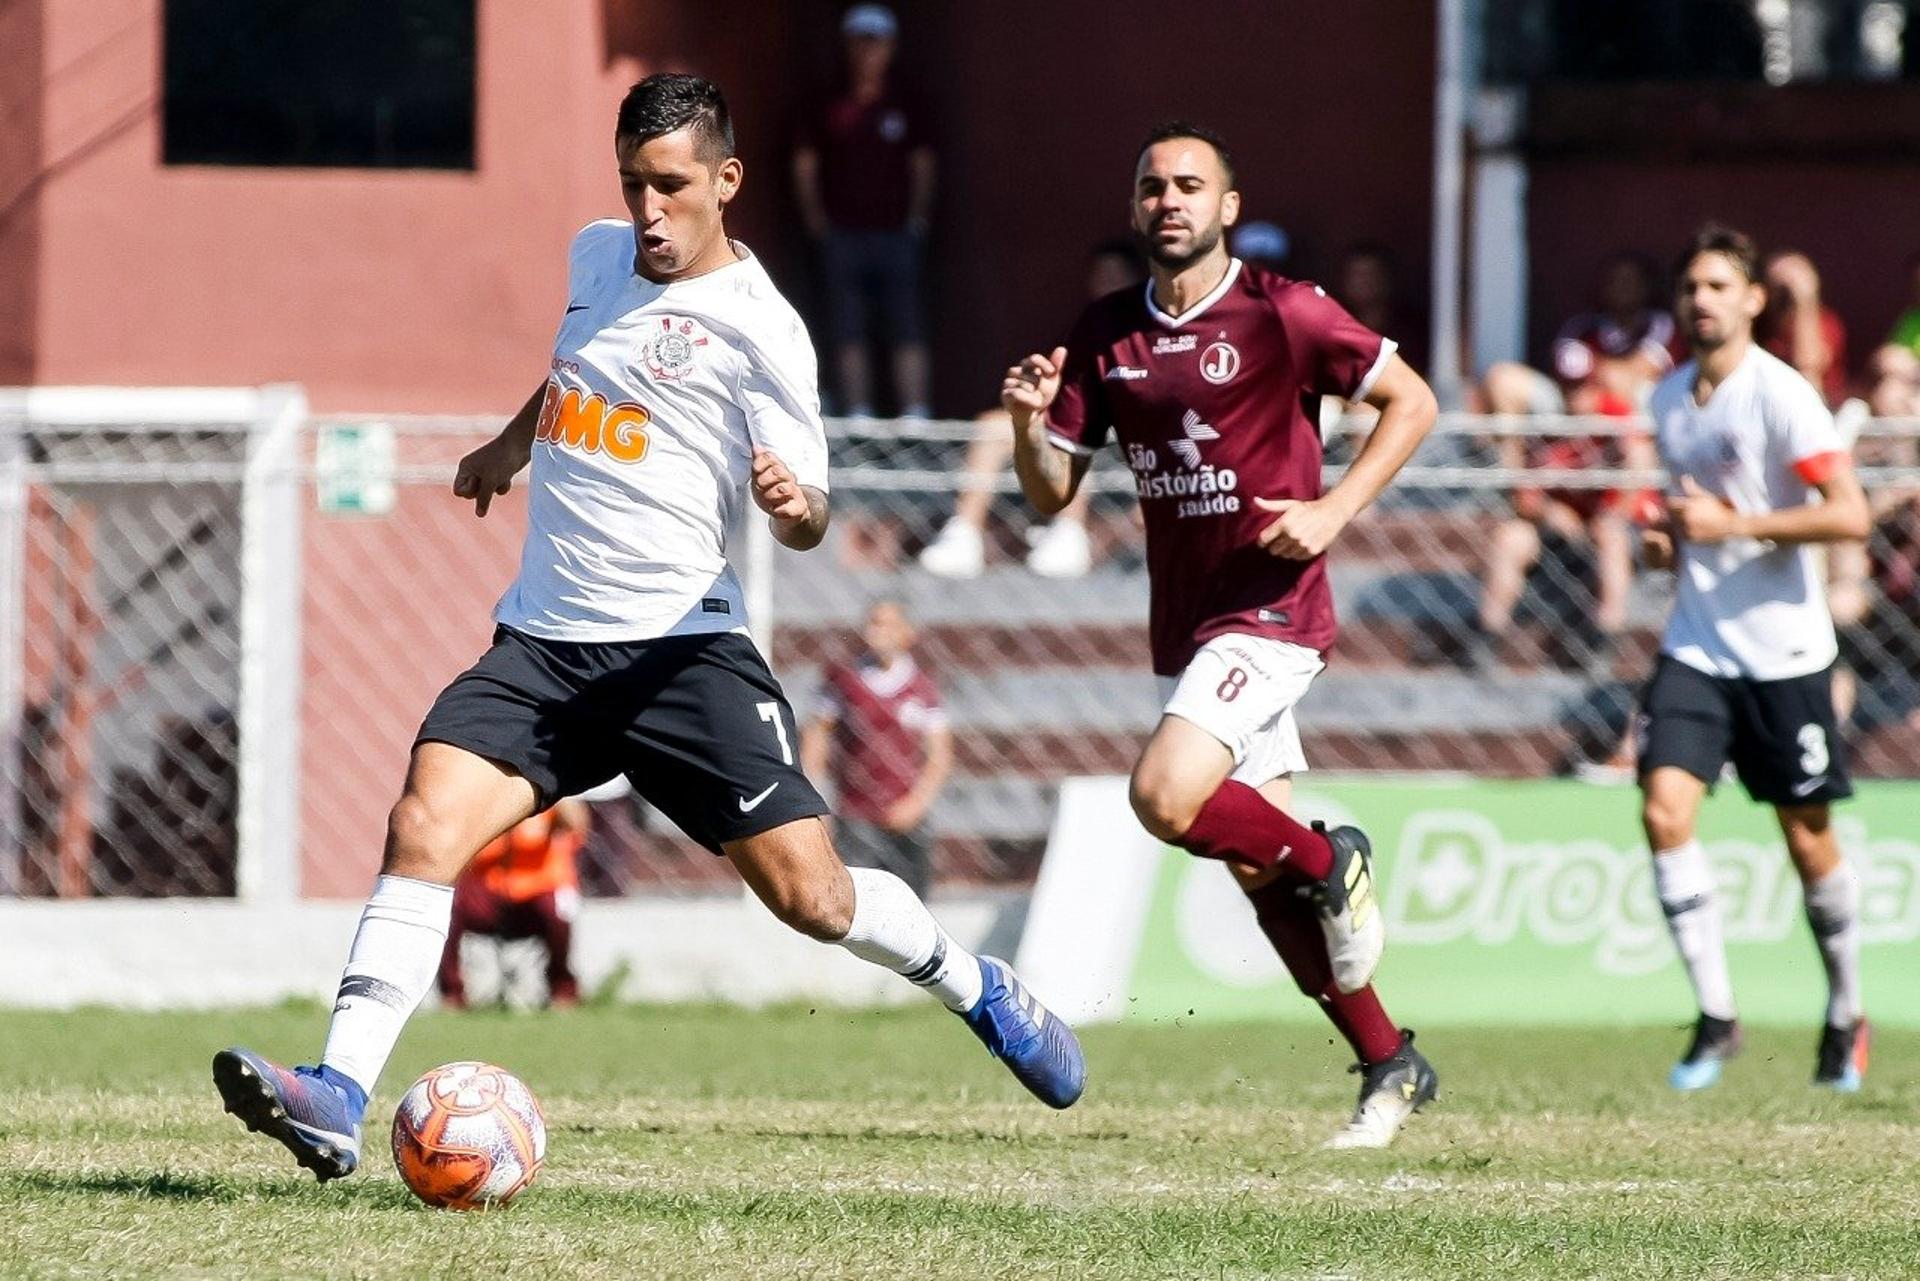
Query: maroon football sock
(1363, 1021)
(1238, 825)
(1290, 925)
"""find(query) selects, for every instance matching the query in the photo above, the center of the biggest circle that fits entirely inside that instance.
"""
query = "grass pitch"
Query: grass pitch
(701, 1142)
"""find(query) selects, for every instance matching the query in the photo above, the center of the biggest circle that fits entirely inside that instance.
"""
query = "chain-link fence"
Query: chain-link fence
(212, 647)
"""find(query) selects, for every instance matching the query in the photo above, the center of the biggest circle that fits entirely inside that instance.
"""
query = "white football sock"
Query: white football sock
(1833, 910)
(1684, 881)
(395, 954)
(892, 927)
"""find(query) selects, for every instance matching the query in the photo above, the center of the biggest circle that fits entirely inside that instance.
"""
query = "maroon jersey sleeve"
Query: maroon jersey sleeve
(1078, 420)
(1333, 354)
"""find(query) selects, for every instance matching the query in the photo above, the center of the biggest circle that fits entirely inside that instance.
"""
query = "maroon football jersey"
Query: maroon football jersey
(882, 718)
(1212, 410)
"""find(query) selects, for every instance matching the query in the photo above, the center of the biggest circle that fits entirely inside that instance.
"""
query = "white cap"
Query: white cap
(874, 20)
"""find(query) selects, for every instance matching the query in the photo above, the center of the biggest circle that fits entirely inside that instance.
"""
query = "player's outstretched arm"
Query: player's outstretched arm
(1305, 528)
(798, 513)
(1049, 476)
(488, 471)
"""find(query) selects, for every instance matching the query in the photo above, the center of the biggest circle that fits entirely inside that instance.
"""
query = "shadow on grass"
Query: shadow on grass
(165, 1185)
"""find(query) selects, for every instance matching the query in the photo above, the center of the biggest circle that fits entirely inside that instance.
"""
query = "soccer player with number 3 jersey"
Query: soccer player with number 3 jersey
(1209, 379)
(1759, 476)
(680, 382)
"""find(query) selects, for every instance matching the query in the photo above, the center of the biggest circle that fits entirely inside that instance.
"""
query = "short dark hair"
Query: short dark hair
(1736, 246)
(668, 101)
(1186, 129)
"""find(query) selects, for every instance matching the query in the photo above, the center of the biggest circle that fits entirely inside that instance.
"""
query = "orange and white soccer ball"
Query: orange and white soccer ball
(468, 1136)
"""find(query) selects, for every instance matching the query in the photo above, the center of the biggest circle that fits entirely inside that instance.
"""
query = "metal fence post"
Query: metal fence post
(269, 719)
(13, 644)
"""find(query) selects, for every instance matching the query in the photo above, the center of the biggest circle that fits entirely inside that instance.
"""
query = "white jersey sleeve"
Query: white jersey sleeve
(780, 391)
(1800, 429)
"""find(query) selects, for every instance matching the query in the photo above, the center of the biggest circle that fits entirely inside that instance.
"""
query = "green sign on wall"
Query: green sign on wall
(1532, 901)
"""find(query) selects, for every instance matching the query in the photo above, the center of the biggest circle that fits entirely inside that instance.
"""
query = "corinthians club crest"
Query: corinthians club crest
(670, 352)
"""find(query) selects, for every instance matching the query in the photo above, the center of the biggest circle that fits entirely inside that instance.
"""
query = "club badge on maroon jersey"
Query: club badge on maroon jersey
(1219, 362)
(670, 352)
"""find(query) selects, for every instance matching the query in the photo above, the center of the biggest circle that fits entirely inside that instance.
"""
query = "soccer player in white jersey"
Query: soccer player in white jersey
(680, 378)
(1758, 476)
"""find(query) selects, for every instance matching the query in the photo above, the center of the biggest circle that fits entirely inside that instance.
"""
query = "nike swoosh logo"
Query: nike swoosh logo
(1809, 787)
(579, 306)
(749, 806)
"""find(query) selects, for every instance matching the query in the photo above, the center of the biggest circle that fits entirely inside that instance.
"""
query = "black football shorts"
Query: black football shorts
(1780, 735)
(698, 724)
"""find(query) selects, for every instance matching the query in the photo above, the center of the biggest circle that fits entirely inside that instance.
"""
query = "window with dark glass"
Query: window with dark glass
(364, 84)
(1773, 41)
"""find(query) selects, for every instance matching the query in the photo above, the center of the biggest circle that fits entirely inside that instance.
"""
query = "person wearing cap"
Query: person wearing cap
(863, 171)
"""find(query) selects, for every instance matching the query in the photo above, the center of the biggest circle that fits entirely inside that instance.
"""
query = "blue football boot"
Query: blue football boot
(314, 1112)
(1036, 1045)
(1714, 1042)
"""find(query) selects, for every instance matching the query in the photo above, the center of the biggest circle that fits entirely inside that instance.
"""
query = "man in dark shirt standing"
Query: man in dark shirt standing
(880, 733)
(864, 174)
(1209, 379)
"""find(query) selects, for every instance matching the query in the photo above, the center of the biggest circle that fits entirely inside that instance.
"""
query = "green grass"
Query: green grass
(702, 1142)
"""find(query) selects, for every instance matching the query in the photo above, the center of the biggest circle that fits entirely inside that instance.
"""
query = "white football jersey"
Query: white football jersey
(1747, 608)
(658, 396)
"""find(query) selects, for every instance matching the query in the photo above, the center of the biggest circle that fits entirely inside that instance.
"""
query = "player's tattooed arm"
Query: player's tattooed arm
(1049, 476)
(798, 513)
(1302, 529)
(488, 471)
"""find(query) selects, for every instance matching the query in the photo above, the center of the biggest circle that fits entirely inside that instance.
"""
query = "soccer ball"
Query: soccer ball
(468, 1136)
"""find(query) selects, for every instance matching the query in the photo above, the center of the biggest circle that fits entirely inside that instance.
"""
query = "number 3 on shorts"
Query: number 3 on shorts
(1814, 756)
(770, 712)
(1229, 689)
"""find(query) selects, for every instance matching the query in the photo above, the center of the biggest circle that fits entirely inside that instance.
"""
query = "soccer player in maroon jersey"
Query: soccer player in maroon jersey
(1209, 378)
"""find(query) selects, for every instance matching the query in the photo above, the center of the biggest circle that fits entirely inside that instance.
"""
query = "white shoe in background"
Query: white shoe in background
(1060, 550)
(958, 552)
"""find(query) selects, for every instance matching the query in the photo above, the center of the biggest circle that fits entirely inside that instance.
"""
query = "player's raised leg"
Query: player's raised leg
(1683, 879)
(1182, 792)
(877, 917)
(1832, 890)
(453, 803)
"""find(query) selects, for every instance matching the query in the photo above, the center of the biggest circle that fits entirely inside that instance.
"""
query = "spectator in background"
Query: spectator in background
(1799, 328)
(880, 734)
(864, 174)
(1896, 366)
(1606, 362)
(1873, 593)
(523, 885)
(1364, 283)
(1061, 548)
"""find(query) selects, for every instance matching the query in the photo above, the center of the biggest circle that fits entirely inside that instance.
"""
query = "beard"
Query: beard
(1714, 337)
(1204, 241)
